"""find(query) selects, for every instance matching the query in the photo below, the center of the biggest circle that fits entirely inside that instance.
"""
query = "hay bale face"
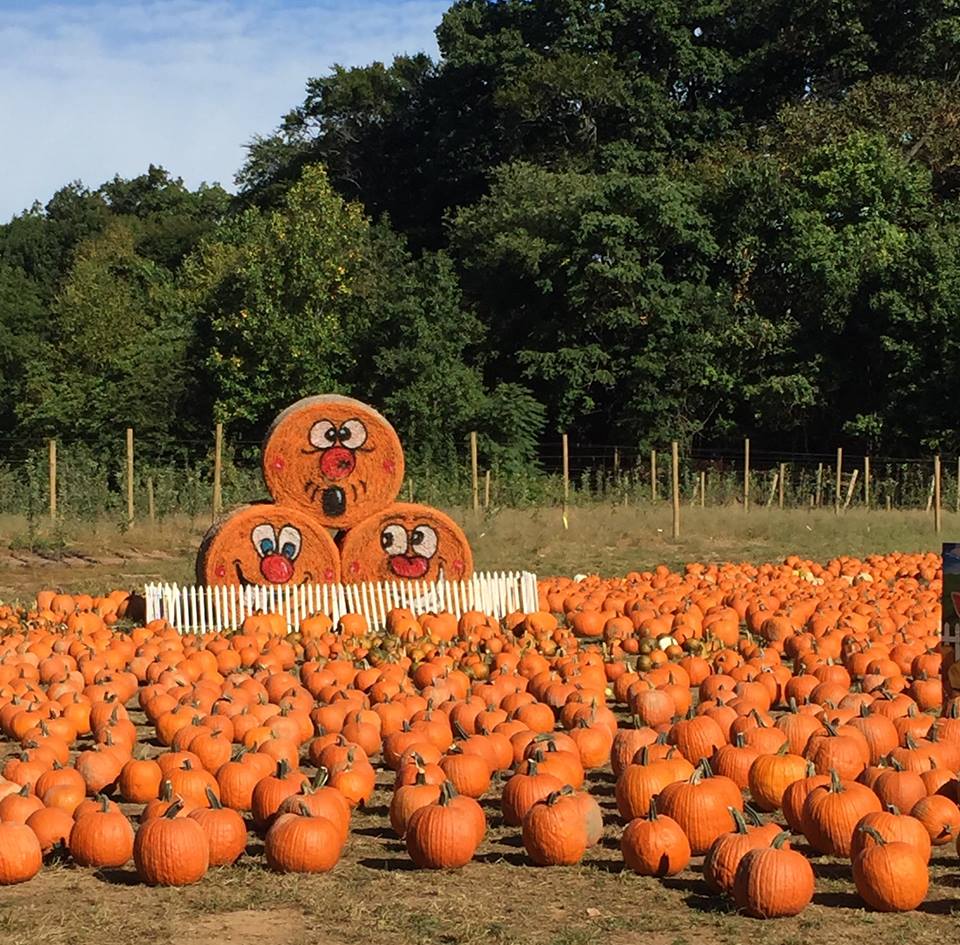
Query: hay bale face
(405, 542)
(334, 457)
(266, 543)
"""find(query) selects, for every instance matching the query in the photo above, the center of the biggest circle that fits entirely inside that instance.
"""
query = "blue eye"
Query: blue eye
(289, 550)
(266, 546)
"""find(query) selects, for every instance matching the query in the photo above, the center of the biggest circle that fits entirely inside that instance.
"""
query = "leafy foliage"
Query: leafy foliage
(634, 220)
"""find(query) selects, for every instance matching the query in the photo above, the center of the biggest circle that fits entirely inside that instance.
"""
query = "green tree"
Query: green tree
(115, 352)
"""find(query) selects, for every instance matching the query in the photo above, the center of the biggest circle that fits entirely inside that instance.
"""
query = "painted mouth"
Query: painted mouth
(246, 582)
(409, 566)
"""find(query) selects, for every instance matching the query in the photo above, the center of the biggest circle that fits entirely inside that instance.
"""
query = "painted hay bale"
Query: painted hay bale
(405, 541)
(334, 457)
(268, 543)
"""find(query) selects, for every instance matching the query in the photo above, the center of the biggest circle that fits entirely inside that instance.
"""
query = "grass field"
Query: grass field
(603, 539)
(373, 895)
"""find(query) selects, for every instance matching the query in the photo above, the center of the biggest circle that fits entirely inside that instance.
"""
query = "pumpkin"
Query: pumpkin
(102, 838)
(554, 831)
(301, 843)
(832, 812)
(171, 850)
(701, 806)
(52, 825)
(639, 783)
(20, 854)
(773, 882)
(225, 831)
(523, 790)
(409, 798)
(940, 817)
(655, 845)
(723, 857)
(890, 876)
(443, 835)
(770, 776)
(321, 800)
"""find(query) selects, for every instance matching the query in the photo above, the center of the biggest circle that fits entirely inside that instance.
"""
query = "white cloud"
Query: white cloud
(93, 89)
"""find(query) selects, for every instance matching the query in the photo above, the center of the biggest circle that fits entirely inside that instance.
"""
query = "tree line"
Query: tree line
(633, 220)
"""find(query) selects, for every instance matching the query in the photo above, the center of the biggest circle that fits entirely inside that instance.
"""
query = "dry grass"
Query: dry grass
(604, 539)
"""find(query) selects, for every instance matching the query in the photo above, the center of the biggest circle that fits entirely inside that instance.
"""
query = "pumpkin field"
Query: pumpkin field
(692, 752)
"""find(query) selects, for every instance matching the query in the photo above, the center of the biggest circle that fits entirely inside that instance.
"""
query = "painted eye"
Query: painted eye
(290, 542)
(393, 540)
(323, 434)
(423, 540)
(353, 434)
(264, 539)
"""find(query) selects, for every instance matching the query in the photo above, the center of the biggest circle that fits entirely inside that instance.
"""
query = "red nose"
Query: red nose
(276, 568)
(415, 567)
(337, 462)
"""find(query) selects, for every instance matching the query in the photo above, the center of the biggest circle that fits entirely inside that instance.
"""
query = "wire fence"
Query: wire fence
(69, 481)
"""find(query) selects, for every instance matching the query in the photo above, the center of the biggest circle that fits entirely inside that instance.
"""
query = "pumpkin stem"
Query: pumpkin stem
(872, 833)
(103, 802)
(303, 810)
(740, 823)
(780, 839)
(171, 812)
(835, 786)
(212, 798)
(283, 768)
(652, 812)
(321, 777)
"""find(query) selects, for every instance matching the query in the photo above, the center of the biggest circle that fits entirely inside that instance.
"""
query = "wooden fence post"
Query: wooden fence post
(566, 479)
(675, 485)
(850, 488)
(151, 508)
(129, 475)
(819, 490)
(486, 489)
(937, 522)
(53, 480)
(746, 474)
(703, 488)
(474, 473)
(217, 470)
(653, 475)
(839, 486)
(616, 465)
(866, 483)
(783, 476)
(775, 479)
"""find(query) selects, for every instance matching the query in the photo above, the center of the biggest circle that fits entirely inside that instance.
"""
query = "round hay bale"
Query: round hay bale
(266, 543)
(334, 457)
(405, 541)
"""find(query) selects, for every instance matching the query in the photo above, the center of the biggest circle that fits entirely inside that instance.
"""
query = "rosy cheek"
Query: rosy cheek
(458, 566)
(221, 570)
(277, 463)
(355, 567)
(328, 574)
(389, 466)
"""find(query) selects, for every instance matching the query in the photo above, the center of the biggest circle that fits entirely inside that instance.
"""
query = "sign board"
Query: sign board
(950, 619)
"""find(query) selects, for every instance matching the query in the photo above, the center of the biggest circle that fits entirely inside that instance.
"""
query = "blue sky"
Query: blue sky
(93, 88)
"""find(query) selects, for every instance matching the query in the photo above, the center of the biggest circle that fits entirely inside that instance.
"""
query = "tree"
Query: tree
(115, 352)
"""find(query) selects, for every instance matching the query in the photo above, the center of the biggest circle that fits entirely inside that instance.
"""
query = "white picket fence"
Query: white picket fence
(193, 609)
